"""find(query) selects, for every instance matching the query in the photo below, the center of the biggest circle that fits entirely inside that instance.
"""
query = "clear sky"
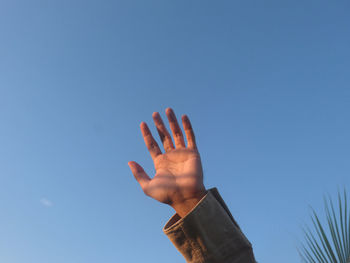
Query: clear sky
(265, 84)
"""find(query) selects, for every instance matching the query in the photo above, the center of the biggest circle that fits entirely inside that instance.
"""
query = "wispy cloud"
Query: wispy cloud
(46, 202)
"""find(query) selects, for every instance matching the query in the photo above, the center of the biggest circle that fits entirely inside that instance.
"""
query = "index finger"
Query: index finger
(150, 142)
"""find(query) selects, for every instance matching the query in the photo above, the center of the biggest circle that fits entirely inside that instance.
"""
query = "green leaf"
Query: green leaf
(328, 242)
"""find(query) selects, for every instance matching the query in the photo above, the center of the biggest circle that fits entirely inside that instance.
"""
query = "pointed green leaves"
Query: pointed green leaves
(328, 242)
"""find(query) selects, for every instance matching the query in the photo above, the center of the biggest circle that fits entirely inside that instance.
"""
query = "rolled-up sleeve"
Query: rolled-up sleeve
(209, 233)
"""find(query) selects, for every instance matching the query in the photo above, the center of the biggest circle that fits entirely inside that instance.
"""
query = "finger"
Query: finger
(139, 174)
(163, 132)
(191, 140)
(175, 128)
(150, 142)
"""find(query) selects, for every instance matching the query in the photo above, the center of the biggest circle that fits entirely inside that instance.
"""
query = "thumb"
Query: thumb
(139, 174)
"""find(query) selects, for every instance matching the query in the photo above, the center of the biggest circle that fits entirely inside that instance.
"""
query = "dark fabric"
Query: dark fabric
(209, 233)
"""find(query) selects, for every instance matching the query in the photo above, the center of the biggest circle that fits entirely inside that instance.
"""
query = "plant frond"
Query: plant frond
(328, 242)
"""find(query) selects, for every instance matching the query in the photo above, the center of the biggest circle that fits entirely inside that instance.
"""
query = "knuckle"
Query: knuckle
(178, 135)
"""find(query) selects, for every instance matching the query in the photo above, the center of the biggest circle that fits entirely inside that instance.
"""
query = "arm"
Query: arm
(209, 234)
(202, 229)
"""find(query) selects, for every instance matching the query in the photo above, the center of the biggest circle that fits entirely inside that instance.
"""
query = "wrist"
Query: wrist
(184, 207)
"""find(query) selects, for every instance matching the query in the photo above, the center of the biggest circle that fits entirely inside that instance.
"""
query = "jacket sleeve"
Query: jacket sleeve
(209, 234)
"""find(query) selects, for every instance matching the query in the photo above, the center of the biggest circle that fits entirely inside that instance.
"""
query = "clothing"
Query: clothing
(209, 234)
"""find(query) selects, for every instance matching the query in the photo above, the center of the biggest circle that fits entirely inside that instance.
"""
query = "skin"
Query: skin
(178, 181)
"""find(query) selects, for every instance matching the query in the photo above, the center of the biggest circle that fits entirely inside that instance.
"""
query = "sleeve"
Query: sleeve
(209, 234)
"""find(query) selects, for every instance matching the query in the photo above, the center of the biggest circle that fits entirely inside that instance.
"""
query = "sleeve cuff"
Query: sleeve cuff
(209, 233)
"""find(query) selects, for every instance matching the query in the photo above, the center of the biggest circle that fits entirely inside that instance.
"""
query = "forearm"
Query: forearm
(209, 234)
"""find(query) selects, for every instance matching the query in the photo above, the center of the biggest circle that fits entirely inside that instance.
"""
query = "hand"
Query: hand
(178, 181)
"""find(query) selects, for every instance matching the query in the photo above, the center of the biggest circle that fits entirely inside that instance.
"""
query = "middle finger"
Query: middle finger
(163, 132)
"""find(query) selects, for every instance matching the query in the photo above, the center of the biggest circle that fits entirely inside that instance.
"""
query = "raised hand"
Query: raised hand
(178, 181)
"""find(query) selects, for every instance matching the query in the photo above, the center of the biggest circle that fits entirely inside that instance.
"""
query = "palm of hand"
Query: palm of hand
(178, 176)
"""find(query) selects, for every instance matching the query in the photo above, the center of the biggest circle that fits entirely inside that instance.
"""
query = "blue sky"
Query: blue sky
(265, 84)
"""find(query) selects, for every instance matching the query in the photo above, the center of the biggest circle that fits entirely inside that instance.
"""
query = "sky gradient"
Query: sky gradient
(264, 83)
